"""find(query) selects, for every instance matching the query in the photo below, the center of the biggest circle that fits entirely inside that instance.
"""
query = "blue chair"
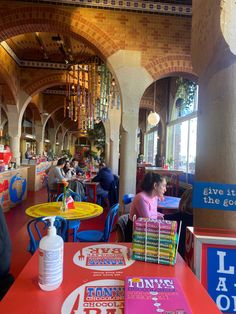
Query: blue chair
(127, 199)
(76, 196)
(71, 224)
(97, 235)
(37, 228)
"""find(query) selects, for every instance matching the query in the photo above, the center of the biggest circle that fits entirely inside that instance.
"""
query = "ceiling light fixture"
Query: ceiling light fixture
(153, 117)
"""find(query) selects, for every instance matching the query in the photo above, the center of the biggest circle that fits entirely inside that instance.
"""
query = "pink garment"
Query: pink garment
(144, 206)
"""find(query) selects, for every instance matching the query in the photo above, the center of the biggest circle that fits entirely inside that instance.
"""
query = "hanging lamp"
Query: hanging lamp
(153, 117)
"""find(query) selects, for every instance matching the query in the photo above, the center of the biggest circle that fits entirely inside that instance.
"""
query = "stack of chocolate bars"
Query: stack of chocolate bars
(155, 241)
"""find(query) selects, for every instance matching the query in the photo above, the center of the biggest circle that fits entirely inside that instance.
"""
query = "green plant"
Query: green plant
(66, 153)
(98, 136)
(170, 161)
(186, 91)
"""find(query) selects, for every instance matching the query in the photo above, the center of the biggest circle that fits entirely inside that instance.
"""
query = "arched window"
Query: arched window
(182, 126)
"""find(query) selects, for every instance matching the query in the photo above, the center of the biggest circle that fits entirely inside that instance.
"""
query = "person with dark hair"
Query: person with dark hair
(67, 171)
(105, 178)
(74, 164)
(184, 214)
(55, 174)
(145, 203)
(28, 153)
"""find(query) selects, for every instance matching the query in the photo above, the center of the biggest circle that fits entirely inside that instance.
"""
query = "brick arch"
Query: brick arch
(45, 82)
(9, 80)
(46, 19)
(171, 65)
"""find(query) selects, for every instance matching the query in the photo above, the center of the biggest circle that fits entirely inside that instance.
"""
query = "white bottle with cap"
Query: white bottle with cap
(51, 249)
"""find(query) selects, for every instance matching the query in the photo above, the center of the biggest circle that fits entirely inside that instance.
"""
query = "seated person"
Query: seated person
(74, 164)
(185, 214)
(6, 279)
(144, 204)
(70, 175)
(28, 154)
(105, 178)
(55, 174)
(68, 172)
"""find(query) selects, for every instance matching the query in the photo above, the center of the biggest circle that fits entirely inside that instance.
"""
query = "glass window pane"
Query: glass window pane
(192, 145)
(151, 147)
(180, 145)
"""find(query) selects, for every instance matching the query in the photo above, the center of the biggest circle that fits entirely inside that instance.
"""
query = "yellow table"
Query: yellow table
(82, 210)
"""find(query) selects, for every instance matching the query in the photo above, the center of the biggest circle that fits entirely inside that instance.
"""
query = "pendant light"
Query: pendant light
(153, 117)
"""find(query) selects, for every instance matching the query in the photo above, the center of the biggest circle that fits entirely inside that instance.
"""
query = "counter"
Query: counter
(13, 187)
(36, 175)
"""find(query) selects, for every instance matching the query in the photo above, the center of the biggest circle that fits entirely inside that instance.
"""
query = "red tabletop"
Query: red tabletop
(90, 266)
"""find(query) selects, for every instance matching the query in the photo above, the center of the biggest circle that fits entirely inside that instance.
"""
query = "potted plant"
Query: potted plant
(170, 162)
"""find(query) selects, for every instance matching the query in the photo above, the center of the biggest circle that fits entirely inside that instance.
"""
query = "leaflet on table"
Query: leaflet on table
(154, 295)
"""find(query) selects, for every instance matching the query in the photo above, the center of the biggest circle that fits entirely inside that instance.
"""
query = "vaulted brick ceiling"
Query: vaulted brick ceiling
(53, 48)
(50, 47)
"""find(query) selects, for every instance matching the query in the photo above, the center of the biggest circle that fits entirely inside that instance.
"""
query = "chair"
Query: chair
(37, 229)
(71, 224)
(97, 235)
(51, 193)
(76, 196)
(127, 199)
(171, 187)
(121, 226)
(91, 191)
(113, 194)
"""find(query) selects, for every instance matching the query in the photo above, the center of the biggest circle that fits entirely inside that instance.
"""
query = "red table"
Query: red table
(26, 297)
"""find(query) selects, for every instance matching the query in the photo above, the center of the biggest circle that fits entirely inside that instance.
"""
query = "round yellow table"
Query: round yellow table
(82, 210)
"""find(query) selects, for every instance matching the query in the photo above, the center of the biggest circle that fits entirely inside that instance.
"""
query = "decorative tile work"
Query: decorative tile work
(54, 92)
(33, 64)
(134, 5)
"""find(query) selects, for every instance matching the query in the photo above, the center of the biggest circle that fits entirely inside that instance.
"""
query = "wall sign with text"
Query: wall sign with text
(214, 196)
(219, 275)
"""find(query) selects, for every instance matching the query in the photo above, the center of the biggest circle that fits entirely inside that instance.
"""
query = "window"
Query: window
(150, 148)
(182, 129)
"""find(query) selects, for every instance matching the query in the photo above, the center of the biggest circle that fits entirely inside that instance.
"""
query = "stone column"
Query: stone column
(216, 67)
(133, 80)
(39, 147)
(107, 124)
(39, 138)
(51, 137)
(15, 148)
(14, 130)
(128, 153)
(115, 119)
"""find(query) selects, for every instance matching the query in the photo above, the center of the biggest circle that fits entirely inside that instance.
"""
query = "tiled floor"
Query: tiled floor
(17, 222)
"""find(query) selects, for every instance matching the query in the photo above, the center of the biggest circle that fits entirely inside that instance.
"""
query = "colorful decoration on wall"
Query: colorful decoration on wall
(17, 188)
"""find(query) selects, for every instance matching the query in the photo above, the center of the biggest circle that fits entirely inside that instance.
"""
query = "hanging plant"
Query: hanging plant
(186, 91)
(98, 135)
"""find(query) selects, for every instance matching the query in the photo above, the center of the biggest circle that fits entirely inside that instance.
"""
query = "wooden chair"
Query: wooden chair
(171, 187)
(91, 191)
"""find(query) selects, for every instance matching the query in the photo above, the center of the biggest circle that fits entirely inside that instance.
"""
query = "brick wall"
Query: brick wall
(163, 40)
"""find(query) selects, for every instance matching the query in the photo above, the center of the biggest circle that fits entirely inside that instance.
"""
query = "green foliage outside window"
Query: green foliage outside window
(185, 96)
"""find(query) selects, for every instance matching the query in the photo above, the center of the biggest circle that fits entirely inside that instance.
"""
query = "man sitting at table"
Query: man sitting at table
(75, 165)
(105, 178)
(55, 174)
